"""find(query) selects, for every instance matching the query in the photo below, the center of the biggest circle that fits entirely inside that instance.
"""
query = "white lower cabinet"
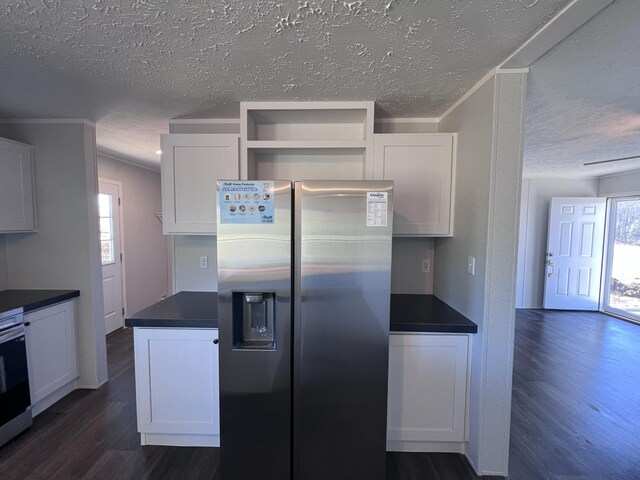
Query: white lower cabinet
(428, 386)
(51, 353)
(177, 386)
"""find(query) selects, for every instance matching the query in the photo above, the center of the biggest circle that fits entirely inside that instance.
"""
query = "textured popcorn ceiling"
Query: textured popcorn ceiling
(584, 98)
(131, 66)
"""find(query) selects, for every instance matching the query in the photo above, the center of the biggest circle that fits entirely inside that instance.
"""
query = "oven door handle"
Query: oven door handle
(11, 334)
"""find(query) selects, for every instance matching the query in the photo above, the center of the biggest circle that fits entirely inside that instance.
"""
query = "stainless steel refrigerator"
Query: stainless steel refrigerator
(304, 279)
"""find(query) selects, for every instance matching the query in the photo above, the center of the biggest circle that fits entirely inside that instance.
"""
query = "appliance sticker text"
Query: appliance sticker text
(376, 209)
(246, 202)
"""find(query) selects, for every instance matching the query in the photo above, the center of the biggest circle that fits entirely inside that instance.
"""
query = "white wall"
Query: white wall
(406, 269)
(403, 125)
(64, 253)
(187, 274)
(145, 247)
(488, 177)
(621, 184)
(3, 265)
(532, 243)
(406, 265)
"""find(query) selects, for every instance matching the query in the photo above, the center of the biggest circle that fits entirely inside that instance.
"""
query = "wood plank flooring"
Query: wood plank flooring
(576, 397)
(576, 415)
(91, 434)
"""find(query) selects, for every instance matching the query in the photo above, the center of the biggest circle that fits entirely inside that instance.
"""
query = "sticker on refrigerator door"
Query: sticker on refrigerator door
(376, 209)
(246, 202)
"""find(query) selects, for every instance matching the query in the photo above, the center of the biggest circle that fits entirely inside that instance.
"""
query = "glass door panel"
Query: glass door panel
(105, 209)
(622, 288)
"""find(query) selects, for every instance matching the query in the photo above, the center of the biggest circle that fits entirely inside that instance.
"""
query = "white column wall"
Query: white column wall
(3, 265)
(64, 253)
(488, 178)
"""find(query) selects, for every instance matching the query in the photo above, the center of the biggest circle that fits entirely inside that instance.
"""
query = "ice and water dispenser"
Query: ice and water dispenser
(253, 321)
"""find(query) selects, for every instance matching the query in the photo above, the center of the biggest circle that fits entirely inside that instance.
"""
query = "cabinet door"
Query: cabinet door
(427, 388)
(51, 348)
(191, 164)
(177, 381)
(421, 167)
(17, 206)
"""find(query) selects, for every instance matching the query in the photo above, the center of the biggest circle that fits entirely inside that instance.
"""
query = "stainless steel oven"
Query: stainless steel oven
(15, 401)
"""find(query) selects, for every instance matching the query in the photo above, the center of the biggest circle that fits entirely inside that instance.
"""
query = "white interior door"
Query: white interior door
(574, 253)
(110, 248)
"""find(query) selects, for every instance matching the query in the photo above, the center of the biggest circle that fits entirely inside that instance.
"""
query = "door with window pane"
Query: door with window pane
(110, 249)
(622, 287)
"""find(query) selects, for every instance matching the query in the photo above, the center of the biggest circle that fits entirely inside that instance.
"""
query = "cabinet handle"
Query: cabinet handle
(215, 341)
(26, 324)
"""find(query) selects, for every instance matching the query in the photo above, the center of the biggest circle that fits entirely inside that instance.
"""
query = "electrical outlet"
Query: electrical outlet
(204, 262)
(426, 265)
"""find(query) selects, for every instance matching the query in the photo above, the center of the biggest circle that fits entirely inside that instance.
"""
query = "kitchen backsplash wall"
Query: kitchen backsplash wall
(3, 265)
(187, 253)
(406, 267)
(406, 271)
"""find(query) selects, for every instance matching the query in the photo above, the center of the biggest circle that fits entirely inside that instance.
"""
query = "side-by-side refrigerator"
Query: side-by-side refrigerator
(304, 275)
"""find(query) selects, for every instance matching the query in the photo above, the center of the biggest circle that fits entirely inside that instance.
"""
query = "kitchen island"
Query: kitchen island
(409, 313)
(182, 310)
(176, 355)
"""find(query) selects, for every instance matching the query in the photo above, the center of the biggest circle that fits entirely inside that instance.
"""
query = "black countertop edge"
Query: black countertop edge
(427, 313)
(31, 300)
(182, 310)
(409, 313)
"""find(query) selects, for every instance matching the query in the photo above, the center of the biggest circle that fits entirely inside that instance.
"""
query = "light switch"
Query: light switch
(471, 265)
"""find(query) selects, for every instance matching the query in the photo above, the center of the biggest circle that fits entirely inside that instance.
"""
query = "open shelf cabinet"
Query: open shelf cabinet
(306, 140)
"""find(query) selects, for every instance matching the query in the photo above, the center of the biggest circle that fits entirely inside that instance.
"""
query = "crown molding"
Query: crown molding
(48, 121)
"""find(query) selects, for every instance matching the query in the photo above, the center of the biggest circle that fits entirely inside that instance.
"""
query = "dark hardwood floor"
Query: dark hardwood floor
(91, 434)
(576, 397)
(576, 415)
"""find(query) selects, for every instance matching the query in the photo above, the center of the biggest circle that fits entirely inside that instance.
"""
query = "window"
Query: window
(622, 288)
(105, 211)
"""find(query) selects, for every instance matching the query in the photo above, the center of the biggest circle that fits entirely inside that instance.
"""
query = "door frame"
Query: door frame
(607, 259)
(594, 304)
(123, 282)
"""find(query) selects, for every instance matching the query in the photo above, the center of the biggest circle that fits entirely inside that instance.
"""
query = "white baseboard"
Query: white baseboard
(179, 440)
(41, 405)
(428, 447)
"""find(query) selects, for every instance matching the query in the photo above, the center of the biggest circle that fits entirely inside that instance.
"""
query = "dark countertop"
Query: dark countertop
(33, 299)
(409, 313)
(427, 313)
(182, 310)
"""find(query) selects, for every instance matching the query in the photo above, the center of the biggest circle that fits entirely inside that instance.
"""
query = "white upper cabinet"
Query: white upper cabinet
(422, 167)
(306, 140)
(17, 187)
(191, 164)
